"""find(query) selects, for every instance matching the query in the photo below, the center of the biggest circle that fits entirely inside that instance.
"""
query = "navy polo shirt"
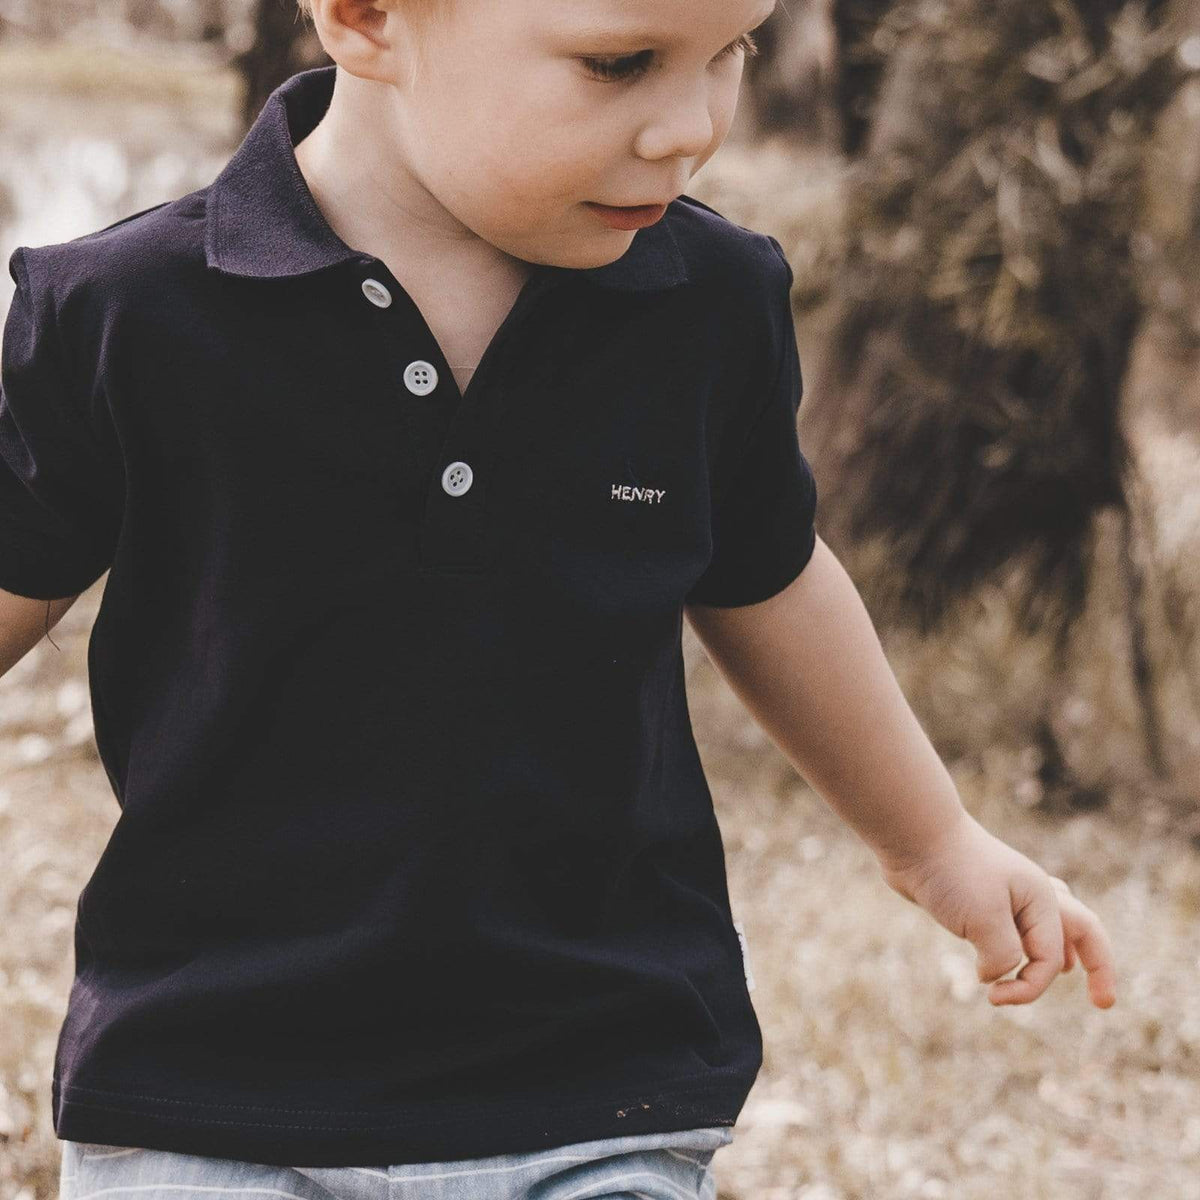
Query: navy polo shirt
(415, 859)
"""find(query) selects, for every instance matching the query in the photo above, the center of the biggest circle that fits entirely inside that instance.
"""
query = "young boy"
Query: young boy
(407, 458)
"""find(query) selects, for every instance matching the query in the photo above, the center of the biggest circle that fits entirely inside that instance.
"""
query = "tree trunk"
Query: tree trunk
(283, 44)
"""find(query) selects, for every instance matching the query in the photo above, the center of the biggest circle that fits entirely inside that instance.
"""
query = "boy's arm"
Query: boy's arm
(809, 666)
(23, 623)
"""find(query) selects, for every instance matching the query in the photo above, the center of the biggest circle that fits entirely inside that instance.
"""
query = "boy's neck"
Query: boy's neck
(355, 171)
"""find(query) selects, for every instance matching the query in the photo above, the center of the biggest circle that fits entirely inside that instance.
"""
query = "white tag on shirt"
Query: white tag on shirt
(741, 932)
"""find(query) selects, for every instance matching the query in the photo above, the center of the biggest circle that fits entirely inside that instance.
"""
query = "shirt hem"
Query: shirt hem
(437, 1131)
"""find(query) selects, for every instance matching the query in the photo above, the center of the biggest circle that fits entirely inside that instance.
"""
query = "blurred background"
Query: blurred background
(992, 209)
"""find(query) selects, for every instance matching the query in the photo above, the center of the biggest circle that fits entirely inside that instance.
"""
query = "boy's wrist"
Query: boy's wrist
(899, 856)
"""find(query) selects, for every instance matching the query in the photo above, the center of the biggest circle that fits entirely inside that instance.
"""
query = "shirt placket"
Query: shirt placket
(453, 525)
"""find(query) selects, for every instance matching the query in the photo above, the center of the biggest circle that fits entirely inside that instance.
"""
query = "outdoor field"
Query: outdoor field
(887, 1073)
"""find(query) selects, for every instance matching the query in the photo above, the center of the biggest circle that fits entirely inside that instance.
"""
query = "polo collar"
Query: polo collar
(263, 222)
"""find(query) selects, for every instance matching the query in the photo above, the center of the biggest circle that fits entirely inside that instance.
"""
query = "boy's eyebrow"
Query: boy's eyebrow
(639, 33)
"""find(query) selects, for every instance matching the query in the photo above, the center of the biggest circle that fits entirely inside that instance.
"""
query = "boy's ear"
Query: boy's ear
(380, 40)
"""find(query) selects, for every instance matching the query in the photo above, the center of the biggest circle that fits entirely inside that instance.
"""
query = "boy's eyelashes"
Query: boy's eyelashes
(630, 65)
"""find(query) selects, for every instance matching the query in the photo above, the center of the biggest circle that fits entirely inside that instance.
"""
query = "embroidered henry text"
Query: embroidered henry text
(625, 491)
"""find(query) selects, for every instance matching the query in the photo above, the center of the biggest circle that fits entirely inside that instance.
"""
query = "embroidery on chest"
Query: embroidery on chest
(638, 495)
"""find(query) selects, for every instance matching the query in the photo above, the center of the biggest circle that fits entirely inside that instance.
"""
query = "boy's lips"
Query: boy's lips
(635, 216)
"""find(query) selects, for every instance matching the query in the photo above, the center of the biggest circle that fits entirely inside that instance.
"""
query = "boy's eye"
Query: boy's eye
(635, 64)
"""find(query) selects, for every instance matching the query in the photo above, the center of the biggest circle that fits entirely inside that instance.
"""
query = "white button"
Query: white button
(376, 293)
(456, 478)
(420, 377)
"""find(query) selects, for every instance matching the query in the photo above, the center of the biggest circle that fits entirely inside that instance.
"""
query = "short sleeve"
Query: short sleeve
(764, 502)
(61, 480)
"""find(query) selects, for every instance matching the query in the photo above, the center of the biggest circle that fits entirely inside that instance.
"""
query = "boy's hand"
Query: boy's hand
(982, 889)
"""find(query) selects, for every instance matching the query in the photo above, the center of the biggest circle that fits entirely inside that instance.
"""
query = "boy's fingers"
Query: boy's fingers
(1040, 927)
(1068, 948)
(1084, 935)
(1090, 941)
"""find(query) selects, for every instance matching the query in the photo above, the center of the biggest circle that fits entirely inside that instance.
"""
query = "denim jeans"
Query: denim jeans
(657, 1166)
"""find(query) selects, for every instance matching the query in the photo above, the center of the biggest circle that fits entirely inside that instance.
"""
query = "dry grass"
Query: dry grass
(887, 1073)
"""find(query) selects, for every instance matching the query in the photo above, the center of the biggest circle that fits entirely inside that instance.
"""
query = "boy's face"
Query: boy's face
(523, 110)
